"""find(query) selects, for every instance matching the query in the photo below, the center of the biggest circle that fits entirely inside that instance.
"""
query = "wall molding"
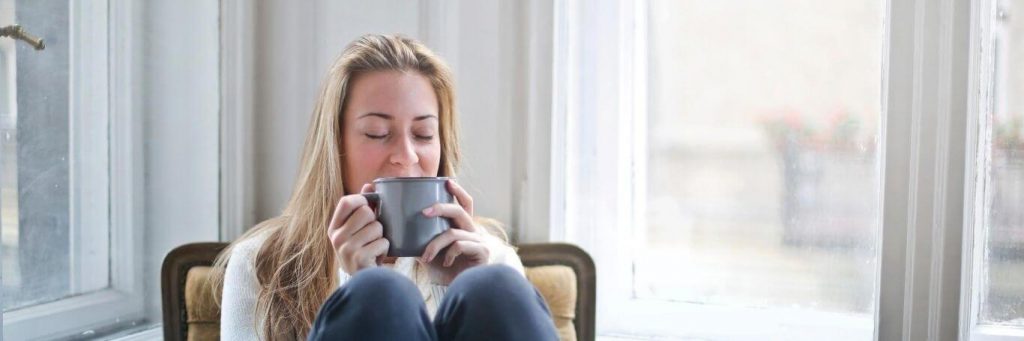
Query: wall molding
(237, 205)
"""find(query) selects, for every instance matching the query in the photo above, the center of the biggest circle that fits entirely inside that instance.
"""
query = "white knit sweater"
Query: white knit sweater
(238, 306)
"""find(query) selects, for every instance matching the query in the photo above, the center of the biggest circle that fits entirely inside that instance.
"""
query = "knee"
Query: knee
(492, 273)
(499, 297)
(376, 303)
(377, 284)
(492, 282)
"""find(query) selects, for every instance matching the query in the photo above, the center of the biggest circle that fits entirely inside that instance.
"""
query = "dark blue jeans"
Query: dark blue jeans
(483, 303)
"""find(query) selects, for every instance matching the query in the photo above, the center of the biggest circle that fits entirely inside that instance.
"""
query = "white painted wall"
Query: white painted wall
(180, 105)
(480, 68)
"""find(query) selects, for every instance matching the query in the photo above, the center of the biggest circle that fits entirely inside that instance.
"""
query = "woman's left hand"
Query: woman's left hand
(462, 246)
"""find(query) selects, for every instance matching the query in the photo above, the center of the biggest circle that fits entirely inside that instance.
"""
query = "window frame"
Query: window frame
(89, 172)
(930, 88)
(102, 89)
(982, 72)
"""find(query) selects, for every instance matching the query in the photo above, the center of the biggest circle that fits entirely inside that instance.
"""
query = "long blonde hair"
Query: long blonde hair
(296, 266)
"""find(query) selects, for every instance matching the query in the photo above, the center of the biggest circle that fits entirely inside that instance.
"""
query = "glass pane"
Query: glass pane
(1002, 301)
(763, 178)
(36, 241)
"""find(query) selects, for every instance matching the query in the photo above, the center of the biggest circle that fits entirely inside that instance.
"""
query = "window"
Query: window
(746, 177)
(998, 290)
(761, 154)
(40, 240)
(1003, 298)
(791, 169)
(61, 229)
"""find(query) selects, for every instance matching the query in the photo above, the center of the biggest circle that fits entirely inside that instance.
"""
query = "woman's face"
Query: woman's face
(390, 128)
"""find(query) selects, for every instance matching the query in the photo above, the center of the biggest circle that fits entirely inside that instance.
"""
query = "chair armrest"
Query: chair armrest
(173, 274)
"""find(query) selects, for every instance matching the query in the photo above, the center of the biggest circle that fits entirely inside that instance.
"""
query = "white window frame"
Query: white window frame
(106, 192)
(930, 88)
(89, 169)
(981, 74)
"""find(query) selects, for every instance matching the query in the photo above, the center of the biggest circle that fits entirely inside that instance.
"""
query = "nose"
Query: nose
(403, 152)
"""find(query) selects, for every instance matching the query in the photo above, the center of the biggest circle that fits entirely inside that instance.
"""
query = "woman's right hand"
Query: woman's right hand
(355, 233)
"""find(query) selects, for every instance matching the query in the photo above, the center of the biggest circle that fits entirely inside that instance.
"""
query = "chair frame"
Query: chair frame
(173, 274)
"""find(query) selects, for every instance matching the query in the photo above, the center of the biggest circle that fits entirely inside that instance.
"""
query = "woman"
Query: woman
(386, 109)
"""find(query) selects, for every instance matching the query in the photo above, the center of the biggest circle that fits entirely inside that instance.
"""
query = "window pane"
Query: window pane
(36, 230)
(763, 178)
(1002, 301)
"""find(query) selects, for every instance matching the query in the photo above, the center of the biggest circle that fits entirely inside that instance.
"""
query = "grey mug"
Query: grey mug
(399, 204)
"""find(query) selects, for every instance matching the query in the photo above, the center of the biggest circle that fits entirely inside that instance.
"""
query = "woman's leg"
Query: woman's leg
(493, 302)
(375, 304)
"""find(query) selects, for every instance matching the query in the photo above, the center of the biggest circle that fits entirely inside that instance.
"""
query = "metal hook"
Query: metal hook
(16, 32)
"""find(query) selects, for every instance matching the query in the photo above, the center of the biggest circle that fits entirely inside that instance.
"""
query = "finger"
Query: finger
(368, 188)
(360, 218)
(470, 249)
(459, 216)
(337, 238)
(463, 197)
(369, 254)
(368, 234)
(444, 239)
(344, 209)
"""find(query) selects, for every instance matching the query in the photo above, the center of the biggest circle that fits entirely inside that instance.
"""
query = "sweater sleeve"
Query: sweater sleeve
(238, 305)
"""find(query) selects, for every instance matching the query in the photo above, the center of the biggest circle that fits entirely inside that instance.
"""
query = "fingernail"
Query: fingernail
(428, 211)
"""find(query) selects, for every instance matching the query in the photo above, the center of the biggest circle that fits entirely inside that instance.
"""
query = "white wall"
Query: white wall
(179, 105)
(481, 40)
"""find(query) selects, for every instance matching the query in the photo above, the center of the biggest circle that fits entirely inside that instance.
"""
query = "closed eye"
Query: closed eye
(425, 137)
(376, 137)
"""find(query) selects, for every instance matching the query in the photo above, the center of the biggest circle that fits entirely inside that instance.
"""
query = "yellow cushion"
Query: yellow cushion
(202, 312)
(556, 283)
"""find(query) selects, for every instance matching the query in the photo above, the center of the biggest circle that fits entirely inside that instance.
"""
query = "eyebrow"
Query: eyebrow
(389, 117)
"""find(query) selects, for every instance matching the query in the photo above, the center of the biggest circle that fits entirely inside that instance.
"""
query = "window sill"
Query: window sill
(68, 315)
(147, 333)
(993, 333)
(654, 319)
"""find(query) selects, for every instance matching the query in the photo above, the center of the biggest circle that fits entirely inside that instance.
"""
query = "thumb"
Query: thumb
(367, 188)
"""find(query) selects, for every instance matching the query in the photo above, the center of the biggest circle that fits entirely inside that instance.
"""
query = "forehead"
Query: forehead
(393, 93)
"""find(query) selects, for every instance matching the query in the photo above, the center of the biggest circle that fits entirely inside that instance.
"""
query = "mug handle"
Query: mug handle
(373, 199)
